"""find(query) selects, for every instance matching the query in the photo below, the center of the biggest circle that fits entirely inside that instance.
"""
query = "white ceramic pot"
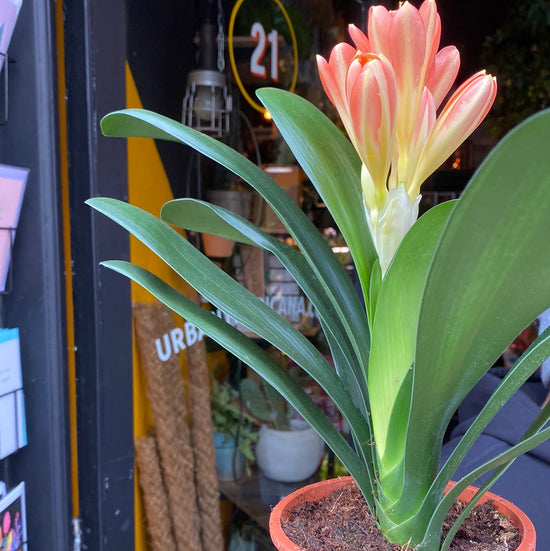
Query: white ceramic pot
(289, 456)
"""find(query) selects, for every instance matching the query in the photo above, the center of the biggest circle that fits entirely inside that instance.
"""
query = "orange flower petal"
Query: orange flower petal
(379, 23)
(372, 103)
(387, 90)
(432, 24)
(462, 114)
(443, 73)
(333, 75)
(359, 38)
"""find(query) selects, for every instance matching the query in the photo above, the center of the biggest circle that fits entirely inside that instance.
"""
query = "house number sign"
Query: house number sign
(266, 41)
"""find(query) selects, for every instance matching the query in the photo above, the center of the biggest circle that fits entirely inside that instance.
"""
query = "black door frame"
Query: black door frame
(95, 54)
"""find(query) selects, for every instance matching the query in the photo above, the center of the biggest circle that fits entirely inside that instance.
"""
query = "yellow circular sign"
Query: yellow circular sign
(238, 80)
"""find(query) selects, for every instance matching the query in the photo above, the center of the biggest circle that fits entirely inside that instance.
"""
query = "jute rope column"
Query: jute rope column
(155, 498)
(165, 391)
(206, 481)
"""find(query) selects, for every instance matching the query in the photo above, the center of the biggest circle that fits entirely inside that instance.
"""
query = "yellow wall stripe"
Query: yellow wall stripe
(149, 189)
(69, 313)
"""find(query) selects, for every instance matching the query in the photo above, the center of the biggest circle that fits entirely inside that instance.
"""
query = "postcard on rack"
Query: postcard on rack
(13, 520)
(13, 431)
(13, 180)
(9, 12)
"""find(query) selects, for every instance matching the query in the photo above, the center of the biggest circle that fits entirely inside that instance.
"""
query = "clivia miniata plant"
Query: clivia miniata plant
(441, 296)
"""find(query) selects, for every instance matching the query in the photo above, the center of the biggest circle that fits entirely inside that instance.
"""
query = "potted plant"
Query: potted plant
(235, 432)
(226, 191)
(288, 449)
(235, 200)
(441, 297)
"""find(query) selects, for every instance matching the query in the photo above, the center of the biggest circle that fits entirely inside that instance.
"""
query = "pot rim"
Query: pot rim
(296, 426)
(318, 490)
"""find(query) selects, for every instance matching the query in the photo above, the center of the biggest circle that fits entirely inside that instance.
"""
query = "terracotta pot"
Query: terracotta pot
(235, 201)
(217, 247)
(319, 490)
(507, 508)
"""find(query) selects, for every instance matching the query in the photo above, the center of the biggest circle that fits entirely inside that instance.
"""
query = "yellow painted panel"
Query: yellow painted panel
(69, 307)
(149, 189)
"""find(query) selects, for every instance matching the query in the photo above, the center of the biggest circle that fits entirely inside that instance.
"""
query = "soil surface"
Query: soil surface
(342, 522)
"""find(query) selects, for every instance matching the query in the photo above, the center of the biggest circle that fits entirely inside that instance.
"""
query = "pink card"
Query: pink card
(12, 187)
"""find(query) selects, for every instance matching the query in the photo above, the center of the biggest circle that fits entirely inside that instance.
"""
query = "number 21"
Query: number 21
(257, 33)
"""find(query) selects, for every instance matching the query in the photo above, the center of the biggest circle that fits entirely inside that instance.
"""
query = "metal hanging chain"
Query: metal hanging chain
(220, 39)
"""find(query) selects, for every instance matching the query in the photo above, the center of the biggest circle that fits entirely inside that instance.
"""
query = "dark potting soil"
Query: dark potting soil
(342, 522)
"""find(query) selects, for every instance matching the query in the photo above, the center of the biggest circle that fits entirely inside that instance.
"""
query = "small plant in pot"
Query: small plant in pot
(441, 296)
(235, 432)
(288, 449)
(235, 200)
(231, 194)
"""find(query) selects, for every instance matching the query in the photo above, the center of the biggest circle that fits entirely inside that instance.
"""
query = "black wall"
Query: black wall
(36, 302)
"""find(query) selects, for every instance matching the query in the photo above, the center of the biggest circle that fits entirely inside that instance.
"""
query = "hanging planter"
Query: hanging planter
(315, 492)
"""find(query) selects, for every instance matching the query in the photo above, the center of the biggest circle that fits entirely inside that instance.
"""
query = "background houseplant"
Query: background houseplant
(434, 316)
(288, 449)
(265, 404)
(235, 431)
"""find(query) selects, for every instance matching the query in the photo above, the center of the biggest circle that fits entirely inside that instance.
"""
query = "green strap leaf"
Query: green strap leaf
(251, 354)
(523, 368)
(333, 166)
(394, 336)
(196, 215)
(428, 531)
(233, 299)
(200, 216)
(501, 461)
(488, 281)
(142, 123)
(473, 502)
